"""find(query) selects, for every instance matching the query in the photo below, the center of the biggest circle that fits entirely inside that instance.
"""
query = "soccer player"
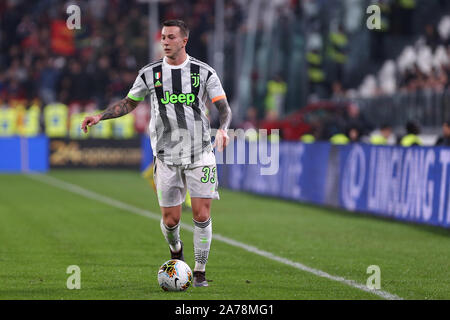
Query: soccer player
(178, 86)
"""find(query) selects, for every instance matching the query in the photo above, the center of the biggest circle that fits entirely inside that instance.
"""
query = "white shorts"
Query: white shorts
(172, 181)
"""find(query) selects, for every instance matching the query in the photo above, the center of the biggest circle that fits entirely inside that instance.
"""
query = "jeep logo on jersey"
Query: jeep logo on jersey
(186, 98)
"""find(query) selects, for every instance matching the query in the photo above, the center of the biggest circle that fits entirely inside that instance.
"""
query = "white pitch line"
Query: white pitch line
(145, 213)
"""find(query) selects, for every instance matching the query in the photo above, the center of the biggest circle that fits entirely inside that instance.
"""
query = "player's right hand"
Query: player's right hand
(89, 121)
(221, 140)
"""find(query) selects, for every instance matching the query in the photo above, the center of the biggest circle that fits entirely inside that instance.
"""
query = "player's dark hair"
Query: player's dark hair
(178, 23)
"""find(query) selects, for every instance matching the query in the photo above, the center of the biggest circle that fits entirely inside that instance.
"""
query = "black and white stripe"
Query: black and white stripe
(203, 224)
(201, 256)
(162, 111)
(197, 113)
(177, 88)
(172, 120)
(205, 72)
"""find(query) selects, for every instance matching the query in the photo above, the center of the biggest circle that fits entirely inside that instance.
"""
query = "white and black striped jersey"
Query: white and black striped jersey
(179, 127)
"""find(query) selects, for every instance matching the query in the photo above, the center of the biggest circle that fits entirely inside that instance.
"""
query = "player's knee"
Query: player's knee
(202, 213)
(171, 222)
(170, 219)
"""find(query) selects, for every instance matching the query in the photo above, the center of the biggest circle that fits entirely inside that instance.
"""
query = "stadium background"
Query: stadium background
(310, 68)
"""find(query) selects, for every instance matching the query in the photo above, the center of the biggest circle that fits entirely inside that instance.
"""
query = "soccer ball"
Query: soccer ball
(174, 275)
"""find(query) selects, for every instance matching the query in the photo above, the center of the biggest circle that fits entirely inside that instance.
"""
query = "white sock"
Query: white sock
(172, 236)
(202, 243)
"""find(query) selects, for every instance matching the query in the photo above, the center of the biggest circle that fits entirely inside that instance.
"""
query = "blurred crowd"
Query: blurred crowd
(45, 62)
(422, 66)
(41, 58)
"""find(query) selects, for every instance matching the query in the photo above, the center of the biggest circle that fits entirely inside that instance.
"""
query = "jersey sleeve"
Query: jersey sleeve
(139, 89)
(214, 88)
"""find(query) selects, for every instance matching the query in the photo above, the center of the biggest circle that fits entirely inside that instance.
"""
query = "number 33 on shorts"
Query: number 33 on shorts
(209, 175)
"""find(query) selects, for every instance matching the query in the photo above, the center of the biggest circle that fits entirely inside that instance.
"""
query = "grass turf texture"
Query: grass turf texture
(44, 229)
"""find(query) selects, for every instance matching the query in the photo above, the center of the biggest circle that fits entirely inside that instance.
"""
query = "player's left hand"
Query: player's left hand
(221, 140)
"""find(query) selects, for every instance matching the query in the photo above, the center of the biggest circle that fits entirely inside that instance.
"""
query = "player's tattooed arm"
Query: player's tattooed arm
(119, 109)
(224, 113)
(222, 139)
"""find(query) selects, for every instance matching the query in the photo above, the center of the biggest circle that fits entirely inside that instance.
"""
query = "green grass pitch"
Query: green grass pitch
(44, 229)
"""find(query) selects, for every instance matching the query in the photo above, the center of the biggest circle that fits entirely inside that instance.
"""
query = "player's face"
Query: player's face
(172, 41)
